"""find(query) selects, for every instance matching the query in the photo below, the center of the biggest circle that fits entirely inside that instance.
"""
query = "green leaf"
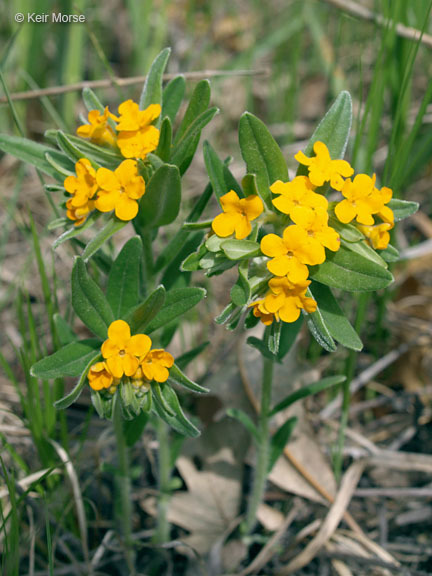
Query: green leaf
(318, 328)
(68, 361)
(262, 155)
(220, 176)
(198, 104)
(158, 396)
(335, 320)
(64, 332)
(179, 422)
(152, 90)
(124, 278)
(177, 302)
(288, 336)
(363, 249)
(111, 227)
(349, 271)
(61, 164)
(91, 101)
(172, 97)
(68, 147)
(145, 312)
(240, 249)
(185, 148)
(280, 440)
(226, 313)
(32, 153)
(177, 242)
(177, 376)
(347, 232)
(272, 337)
(97, 154)
(133, 429)
(76, 230)
(261, 346)
(74, 394)
(334, 130)
(89, 302)
(402, 209)
(161, 202)
(165, 139)
(308, 390)
(186, 358)
(390, 254)
(244, 419)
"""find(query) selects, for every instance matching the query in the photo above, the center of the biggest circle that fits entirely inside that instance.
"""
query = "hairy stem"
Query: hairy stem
(123, 505)
(164, 467)
(261, 469)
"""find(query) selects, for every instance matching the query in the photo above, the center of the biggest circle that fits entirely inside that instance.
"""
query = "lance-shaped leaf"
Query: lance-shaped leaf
(111, 227)
(246, 420)
(334, 130)
(350, 271)
(145, 312)
(177, 302)
(220, 176)
(76, 230)
(184, 150)
(74, 394)
(172, 97)
(198, 104)
(161, 202)
(91, 101)
(70, 360)
(89, 302)
(124, 278)
(262, 155)
(152, 90)
(179, 421)
(97, 154)
(335, 320)
(165, 140)
(280, 440)
(177, 376)
(239, 249)
(35, 154)
(318, 328)
(402, 209)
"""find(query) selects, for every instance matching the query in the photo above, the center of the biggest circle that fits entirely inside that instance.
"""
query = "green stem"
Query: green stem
(147, 243)
(162, 534)
(363, 303)
(123, 504)
(261, 469)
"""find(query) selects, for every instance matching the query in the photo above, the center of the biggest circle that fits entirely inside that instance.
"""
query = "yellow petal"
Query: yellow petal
(297, 272)
(130, 364)
(106, 201)
(272, 245)
(253, 206)
(107, 180)
(243, 227)
(115, 366)
(230, 202)
(109, 348)
(125, 208)
(345, 211)
(224, 224)
(302, 159)
(119, 333)
(280, 265)
(289, 312)
(136, 188)
(139, 345)
(126, 172)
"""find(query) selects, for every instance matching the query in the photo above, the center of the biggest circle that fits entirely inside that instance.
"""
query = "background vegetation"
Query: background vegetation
(58, 468)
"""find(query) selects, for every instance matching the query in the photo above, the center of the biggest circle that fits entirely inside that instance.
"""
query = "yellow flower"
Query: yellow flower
(292, 254)
(155, 365)
(237, 215)
(120, 190)
(137, 136)
(323, 169)
(378, 236)
(83, 188)
(123, 352)
(286, 299)
(297, 194)
(259, 311)
(99, 376)
(98, 129)
(315, 224)
(385, 213)
(362, 200)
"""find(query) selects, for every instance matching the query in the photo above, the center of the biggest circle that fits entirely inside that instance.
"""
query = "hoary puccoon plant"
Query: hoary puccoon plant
(293, 241)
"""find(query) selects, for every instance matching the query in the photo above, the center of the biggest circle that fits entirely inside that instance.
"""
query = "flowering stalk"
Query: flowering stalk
(164, 477)
(262, 463)
(123, 508)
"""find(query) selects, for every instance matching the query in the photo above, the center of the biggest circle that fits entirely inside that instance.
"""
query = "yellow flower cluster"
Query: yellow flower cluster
(136, 136)
(131, 357)
(105, 190)
(304, 241)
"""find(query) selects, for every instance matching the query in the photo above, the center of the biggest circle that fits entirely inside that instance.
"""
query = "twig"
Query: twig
(366, 14)
(107, 82)
(398, 493)
(395, 569)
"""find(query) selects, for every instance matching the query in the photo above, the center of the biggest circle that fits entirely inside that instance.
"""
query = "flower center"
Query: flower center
(122, 353)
